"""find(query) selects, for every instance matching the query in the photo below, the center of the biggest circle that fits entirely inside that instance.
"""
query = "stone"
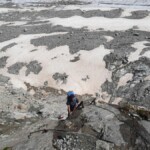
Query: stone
(15, 68)
(33, 66)
(25, 30)
(102, 145)
(136, 34)
(60, 77)
(46, 83)
(4, 79)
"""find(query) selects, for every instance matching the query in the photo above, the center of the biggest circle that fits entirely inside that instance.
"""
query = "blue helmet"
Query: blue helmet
(70, 93)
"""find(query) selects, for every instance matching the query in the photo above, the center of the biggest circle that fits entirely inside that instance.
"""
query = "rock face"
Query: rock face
(31, 137)
(3, 62)
(103, 127)
(115, 128)
(105, 123)
(136, 89)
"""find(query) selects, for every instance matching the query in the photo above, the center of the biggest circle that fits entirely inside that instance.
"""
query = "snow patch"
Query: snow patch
(95, 23)
(90, 64)
(139, 47)
(123, 80)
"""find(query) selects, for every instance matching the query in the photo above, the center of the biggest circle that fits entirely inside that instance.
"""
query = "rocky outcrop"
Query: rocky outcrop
(96, 127)
(103, 127)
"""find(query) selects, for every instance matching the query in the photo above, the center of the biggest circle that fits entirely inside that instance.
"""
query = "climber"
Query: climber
(73, 103)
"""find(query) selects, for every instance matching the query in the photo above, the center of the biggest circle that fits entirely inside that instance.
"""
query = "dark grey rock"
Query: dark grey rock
(86, 78)
(145, 50)
(139, 14)
(46, 83)
(15, 68)
(33, 15)
(4, 79)
(113, 61)
(34, 67)
(109, 87)
(60, 77)
(33, 50)
(74, 40)
(147, 44)
(85, 142)
(136, 34)
(76, 58)
(7, 47)
(25, 30)
(109, 120)
(108, 14)
(3, 61)
(102, 145)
